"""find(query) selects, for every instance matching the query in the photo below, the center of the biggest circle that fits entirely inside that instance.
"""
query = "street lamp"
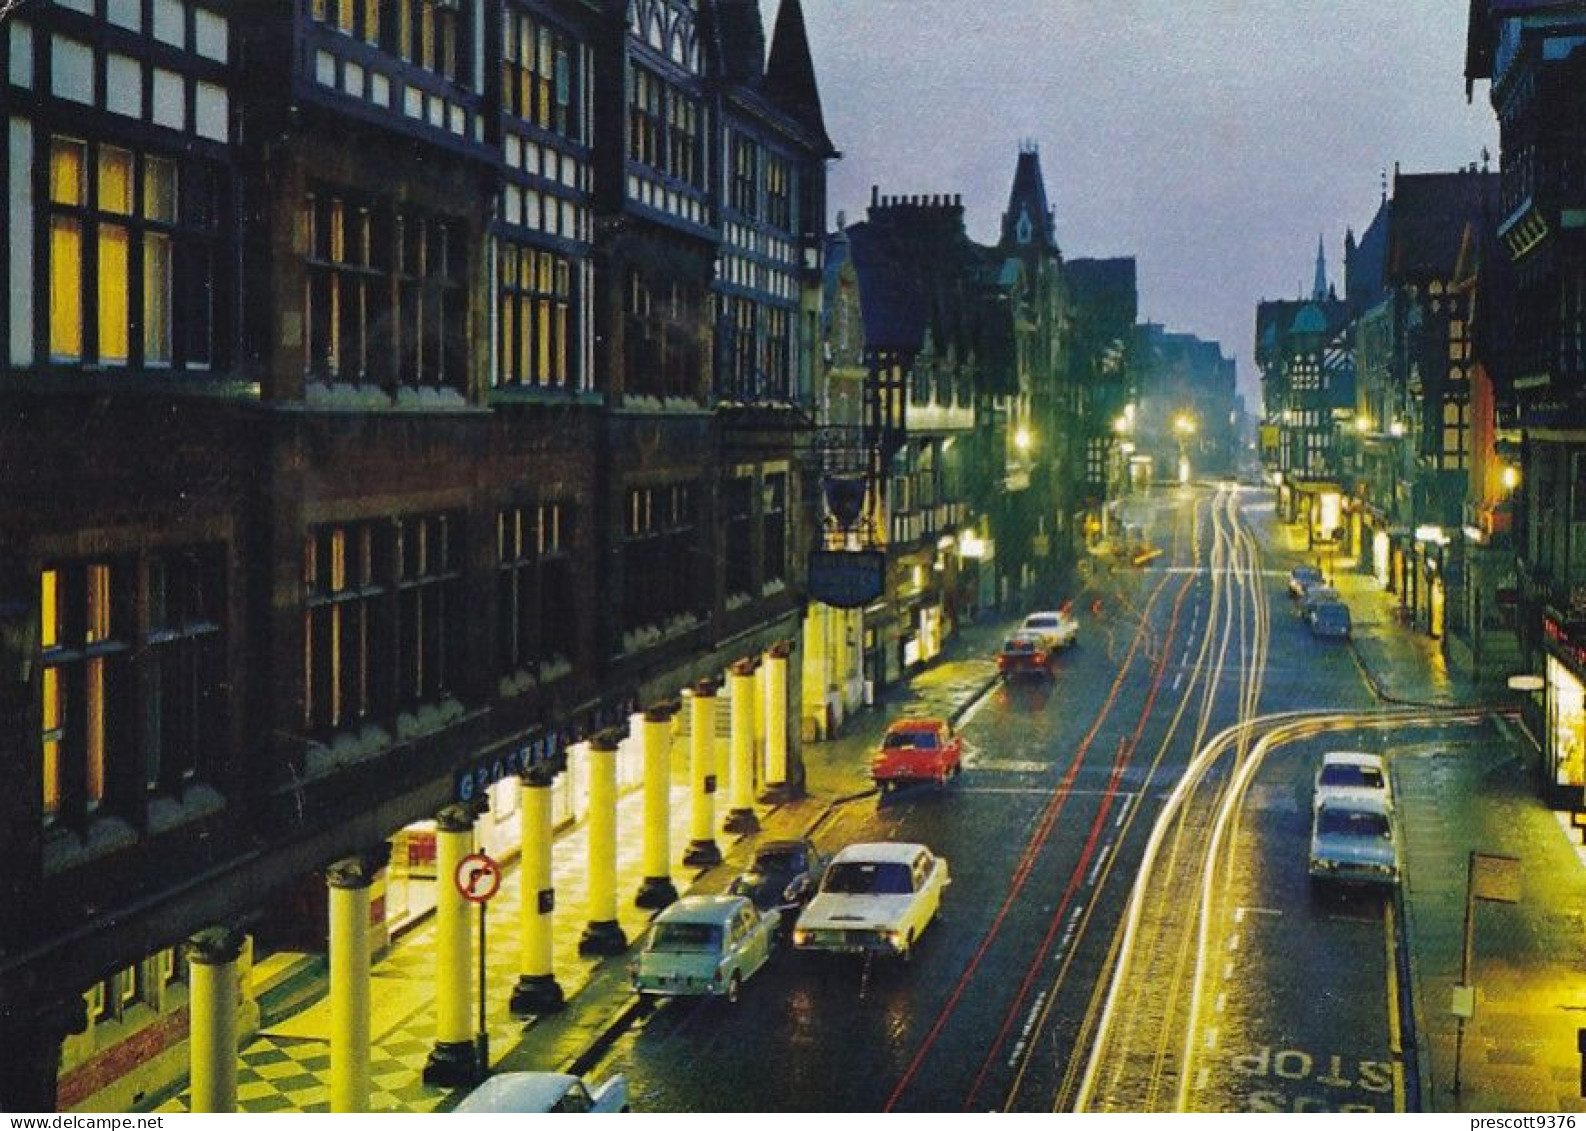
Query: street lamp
(1510, 476)
(1184, 425)
(1022, 439)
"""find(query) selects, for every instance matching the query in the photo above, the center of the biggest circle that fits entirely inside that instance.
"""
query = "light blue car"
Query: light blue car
(1352, 842)
(705, 945)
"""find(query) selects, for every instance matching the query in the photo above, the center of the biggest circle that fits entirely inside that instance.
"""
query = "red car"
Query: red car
(917, 750)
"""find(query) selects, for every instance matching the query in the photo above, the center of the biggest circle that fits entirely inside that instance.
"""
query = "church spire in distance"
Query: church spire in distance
(1319, 288)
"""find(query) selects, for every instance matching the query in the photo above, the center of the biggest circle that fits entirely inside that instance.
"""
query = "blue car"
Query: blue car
(705, 946)
(1330, 621)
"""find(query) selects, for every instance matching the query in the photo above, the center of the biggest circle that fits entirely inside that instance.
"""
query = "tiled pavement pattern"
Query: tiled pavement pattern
(281, 1073)
(292, 1073)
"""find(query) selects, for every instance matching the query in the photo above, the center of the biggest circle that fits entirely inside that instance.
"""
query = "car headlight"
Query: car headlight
(800, 938)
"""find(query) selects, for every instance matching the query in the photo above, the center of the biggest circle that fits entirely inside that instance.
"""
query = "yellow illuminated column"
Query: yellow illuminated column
(537, 990)
(657, 890)
(349, 882)
(776, 720)
(212, 1003)
(603, 934)
(740, 817)
(817, 670)
(454, 1060)
(702, 851)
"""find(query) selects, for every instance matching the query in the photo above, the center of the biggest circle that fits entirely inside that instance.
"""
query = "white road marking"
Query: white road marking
(1233, 942)
(1228, 970)
(1011, 767)
(1101, 858)
(1178, 680)
(1273, 911)
(974, 709)
(1211, 1037)
(1123, 810)
(1222, 1000)
(1239, 915)
(1202, 1077)
(1016, 1054)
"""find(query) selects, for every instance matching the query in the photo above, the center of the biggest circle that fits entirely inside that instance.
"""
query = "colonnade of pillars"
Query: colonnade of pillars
(759, 715)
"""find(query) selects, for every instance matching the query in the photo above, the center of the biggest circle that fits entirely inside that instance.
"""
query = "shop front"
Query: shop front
(1565, 698)
(1382, 557)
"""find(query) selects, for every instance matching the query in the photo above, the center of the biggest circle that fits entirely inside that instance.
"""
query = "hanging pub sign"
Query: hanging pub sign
(847, 579)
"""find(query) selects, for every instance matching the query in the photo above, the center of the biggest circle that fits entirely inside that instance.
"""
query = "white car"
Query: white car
(876, 898)
(530, 1092)
(1349, 773)
(1058, 629)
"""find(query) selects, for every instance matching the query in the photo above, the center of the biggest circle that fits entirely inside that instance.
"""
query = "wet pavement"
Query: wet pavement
(1319, 1004)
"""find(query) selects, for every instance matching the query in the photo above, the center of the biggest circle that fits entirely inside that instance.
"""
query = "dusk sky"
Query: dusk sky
(1213, 141)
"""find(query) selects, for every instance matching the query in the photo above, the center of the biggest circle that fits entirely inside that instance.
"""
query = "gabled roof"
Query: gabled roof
(790, 73)
(1365, 269)
(1430, 211)
(1027, 198)
(892, 297)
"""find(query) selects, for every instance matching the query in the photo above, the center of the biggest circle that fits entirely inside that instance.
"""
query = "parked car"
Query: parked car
(782, 877)
(705, 945)
(1331, 621)
(1314, 596)
(1059, 628)
(876, 898)
(1350, 773)
(509, 1093)
(1302, 578)
(1352, 842)
(1025, 653)
(925, 749)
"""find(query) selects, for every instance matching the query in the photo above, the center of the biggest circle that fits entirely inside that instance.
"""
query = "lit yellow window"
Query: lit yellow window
(98, 619)
(49, 620)
(66, 250)
(115, 181)
(50, 707)
(94, 737)
(67, 159)
(114, 292)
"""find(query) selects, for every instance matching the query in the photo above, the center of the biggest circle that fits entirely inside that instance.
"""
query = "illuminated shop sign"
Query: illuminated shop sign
(1559, 637)
(543, 750)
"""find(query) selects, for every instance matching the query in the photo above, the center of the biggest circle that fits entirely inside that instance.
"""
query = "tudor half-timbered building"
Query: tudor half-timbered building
(375, 386)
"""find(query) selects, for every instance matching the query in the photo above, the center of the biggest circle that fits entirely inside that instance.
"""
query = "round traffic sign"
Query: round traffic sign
(478, 877)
